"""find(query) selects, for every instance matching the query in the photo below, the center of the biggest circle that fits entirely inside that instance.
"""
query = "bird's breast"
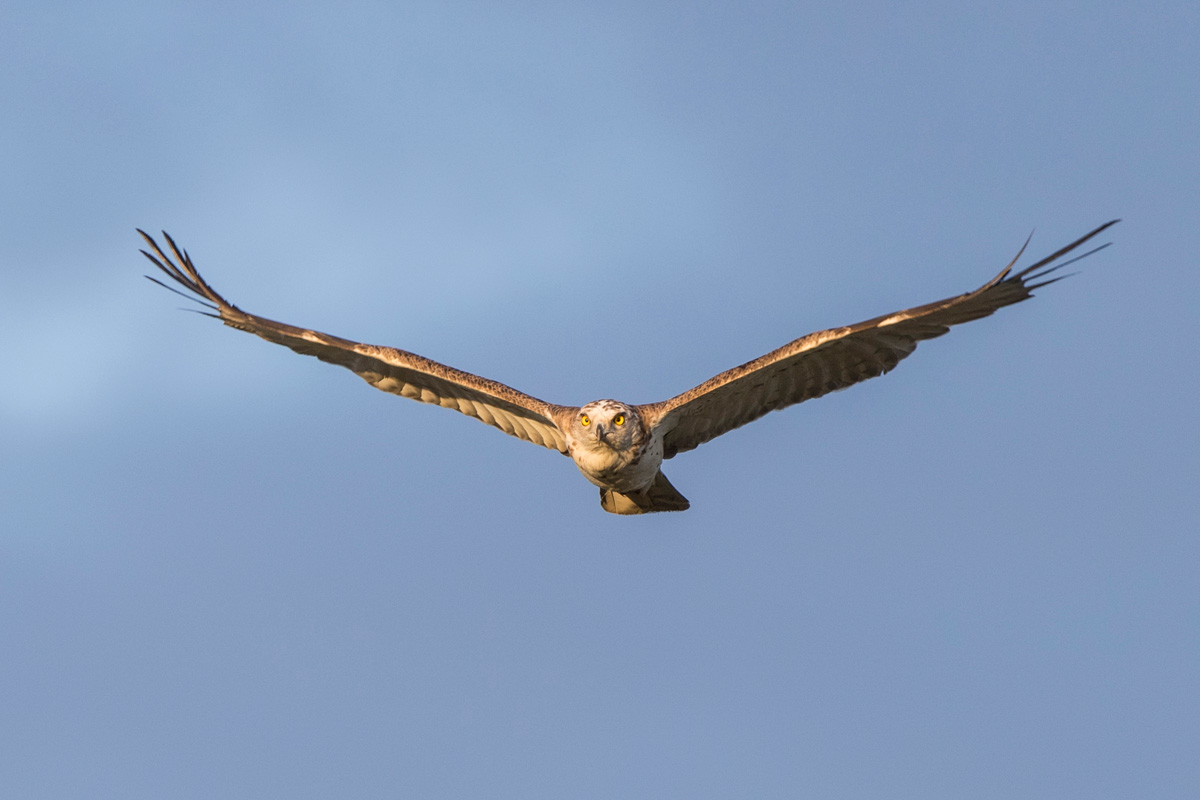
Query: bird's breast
(628, 470)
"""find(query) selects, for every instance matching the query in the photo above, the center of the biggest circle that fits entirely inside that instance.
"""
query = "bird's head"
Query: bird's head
(608, 423)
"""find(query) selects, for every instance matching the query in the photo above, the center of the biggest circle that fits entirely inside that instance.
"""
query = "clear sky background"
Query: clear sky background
(229, 571)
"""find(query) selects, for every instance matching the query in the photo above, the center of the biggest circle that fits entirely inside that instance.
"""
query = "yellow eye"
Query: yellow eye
(619, 419)
(585, 420)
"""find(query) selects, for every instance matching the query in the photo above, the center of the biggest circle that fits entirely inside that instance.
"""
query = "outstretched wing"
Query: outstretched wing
(395, 371)
(826, 361)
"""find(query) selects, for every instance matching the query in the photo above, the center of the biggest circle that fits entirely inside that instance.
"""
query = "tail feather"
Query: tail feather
(659, 496)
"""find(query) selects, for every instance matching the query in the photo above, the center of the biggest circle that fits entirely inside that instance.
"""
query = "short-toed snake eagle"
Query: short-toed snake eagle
(620, 447)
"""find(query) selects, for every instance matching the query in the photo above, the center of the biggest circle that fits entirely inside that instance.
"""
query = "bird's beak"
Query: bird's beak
(600, 432)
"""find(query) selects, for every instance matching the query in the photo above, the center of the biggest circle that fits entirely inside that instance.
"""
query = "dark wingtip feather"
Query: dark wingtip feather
(204, 303)
(1031, 286)
(201, 313)
(183, 273)
(1004, 272)
(174, 247)
(1046, 265)
(1027, 276)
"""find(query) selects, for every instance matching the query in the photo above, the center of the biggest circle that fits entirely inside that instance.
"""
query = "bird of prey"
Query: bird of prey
(617, 446)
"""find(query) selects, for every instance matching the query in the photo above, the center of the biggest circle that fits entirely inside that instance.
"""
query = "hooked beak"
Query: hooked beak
(600, 432)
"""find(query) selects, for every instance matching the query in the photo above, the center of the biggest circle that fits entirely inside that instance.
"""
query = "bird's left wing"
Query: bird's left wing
(826, 361)
(386, 368)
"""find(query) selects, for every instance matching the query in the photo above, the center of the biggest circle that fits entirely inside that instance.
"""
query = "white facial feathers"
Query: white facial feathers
(608, 424)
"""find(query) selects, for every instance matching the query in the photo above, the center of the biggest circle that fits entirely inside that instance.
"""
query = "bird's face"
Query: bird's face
(608, 423)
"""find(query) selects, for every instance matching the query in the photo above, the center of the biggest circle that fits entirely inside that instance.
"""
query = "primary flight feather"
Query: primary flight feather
(617, 446)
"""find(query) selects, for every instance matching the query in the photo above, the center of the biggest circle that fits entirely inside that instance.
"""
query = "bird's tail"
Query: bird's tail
(660, 496)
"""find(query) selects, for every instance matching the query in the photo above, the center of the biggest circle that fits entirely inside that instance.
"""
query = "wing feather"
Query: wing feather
(386, 368)
(834, 359)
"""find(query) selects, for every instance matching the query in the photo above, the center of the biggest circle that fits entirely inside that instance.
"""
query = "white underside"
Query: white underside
(611, 469)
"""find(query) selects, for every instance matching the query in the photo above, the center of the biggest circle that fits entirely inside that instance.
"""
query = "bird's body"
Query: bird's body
(621, 457)
(620, 447)
(613, 447)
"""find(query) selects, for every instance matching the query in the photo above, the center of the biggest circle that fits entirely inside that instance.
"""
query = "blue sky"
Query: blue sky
(226, 570)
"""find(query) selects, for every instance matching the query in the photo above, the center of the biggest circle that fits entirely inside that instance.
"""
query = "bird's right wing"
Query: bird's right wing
(386, 368)
(827, 361)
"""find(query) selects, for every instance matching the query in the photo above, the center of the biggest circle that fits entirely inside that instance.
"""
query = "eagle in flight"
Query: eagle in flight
(620, 447)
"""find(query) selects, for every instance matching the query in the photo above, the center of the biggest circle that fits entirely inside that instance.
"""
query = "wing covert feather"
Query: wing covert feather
(386, 368)
(834, 359)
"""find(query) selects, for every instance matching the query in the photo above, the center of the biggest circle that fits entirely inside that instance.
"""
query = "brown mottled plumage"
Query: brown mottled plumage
(619, 447)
